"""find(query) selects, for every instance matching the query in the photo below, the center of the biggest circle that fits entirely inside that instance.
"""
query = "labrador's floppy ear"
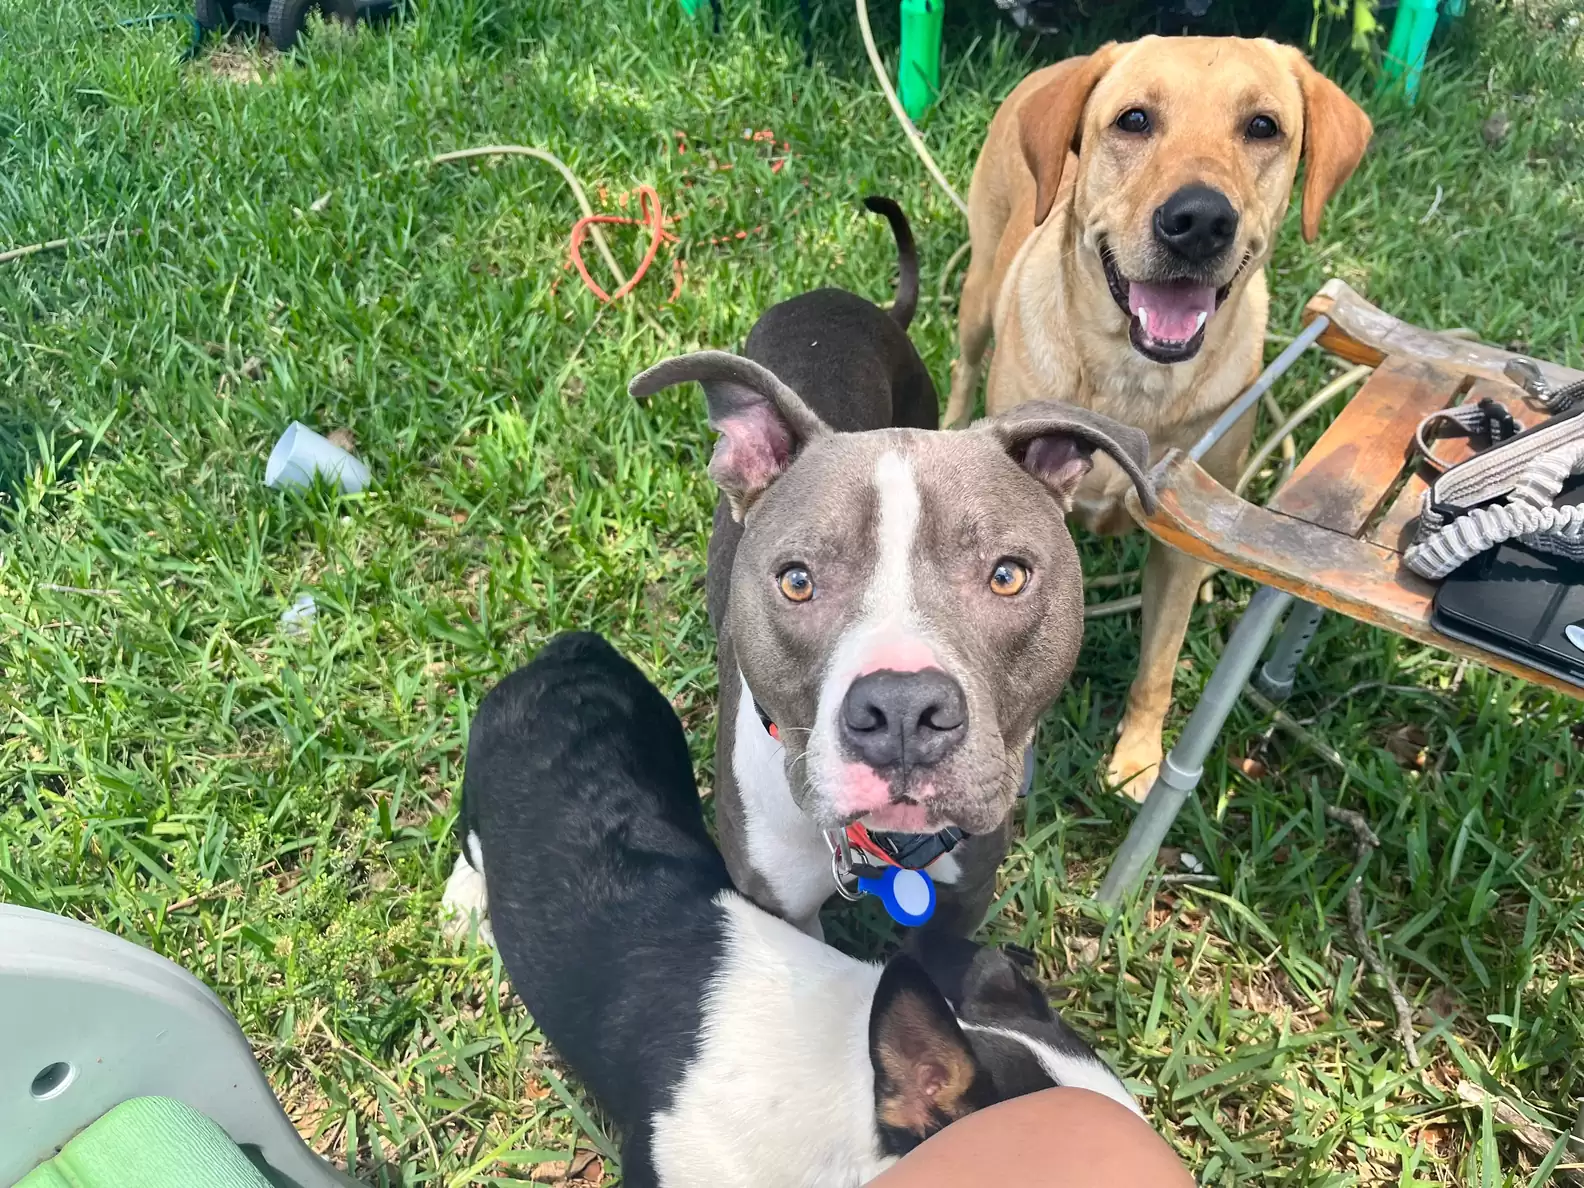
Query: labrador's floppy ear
(1336, 133)
(763, 423)
(1049, 122)
(1055, 442)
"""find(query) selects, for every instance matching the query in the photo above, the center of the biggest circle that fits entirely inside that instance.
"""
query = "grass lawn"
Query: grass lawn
(274, 811)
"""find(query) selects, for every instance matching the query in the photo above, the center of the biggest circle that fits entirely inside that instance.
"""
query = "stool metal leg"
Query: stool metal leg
(1275, 677)
(1183, 766)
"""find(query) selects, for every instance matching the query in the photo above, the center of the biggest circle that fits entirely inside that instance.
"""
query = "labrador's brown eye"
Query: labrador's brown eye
(796, 584)
(1263, 127)
(1008, 577)
(1134, 119)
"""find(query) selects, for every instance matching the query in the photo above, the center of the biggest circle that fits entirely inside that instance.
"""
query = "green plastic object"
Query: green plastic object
(691, 7)
(149, 1142)
(1410, 45)
(94, 1021)
(918, 73)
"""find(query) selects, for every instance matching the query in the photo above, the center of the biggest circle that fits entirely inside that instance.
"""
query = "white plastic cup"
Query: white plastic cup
(301, 453)
(298, 618)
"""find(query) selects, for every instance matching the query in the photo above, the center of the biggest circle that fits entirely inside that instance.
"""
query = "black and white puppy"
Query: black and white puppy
(732, 1049)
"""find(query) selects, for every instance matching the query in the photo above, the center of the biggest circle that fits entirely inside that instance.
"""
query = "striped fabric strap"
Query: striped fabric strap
(1488, 418)
(1526, 374)
(1558, 530)
(1507, 492)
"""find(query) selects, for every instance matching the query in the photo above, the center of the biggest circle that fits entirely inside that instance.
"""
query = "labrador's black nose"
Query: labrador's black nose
(915, 718)
(1196, 223)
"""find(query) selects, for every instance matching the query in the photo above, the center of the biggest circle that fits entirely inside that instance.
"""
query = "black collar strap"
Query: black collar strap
(912, 851)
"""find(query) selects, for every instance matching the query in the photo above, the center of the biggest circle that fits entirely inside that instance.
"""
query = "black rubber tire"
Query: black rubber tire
(213, 14)
(286, 21)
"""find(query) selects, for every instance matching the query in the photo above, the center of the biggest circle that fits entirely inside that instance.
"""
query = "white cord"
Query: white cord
(1309, 407)
(556, 163)
(1117, 606)
(518, 150)
(896, 109)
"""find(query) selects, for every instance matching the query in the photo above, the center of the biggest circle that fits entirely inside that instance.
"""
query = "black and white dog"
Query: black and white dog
(732, 1049)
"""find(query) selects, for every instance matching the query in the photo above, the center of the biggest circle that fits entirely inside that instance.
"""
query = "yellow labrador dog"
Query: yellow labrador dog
(1121, 215)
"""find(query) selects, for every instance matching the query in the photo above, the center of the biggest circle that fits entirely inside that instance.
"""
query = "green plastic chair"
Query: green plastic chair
(119, 1069)
(1406, 53)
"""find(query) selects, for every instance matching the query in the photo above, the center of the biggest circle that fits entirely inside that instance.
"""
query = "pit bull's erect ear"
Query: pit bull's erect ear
(1050, 122)
(1336, 133)
(763, 424)
(1055, 443)
(925, 1074)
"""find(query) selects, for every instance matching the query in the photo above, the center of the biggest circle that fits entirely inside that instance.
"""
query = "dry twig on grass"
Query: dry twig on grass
(1366, 843)
(52, 245)
(1528, 1134)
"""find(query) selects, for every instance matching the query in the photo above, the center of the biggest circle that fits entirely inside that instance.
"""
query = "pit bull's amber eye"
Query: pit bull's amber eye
(796, 584)
(1008, 577)
(1134, 119)
(1262, 127)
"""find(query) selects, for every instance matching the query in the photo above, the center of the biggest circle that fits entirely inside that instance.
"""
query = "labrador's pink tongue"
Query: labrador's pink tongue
(1170, 313)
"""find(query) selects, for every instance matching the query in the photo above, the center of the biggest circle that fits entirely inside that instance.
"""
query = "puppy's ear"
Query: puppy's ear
(1050, 122)
(997, 990)
(762, 423)
(1336, 133)
(925, 1074)
(945, 958)
(1055, 443)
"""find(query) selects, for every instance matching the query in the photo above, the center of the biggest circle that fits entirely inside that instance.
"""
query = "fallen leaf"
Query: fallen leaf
(1085, 950)
(533, 1090)
(1440, 1006)
(1439, 1140)
(1252, 767)
(586, 1167)
(1407, 746)
(590, 1171)
(253, 368)
(1167, 857)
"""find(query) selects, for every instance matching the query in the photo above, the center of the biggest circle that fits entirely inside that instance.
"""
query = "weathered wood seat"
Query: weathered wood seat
(1333, 536)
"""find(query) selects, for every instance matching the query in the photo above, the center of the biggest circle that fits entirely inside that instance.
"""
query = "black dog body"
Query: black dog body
(732, 1049)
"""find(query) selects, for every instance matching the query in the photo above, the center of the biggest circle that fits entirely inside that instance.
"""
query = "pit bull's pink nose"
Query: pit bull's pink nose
(912, 718)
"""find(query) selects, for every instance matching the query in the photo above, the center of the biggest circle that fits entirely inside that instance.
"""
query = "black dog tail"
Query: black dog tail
(902, 309)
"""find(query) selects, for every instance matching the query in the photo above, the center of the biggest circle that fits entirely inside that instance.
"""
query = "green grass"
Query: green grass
(275, 813)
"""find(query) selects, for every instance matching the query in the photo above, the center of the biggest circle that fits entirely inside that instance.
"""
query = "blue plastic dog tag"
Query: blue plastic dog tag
(908, 895)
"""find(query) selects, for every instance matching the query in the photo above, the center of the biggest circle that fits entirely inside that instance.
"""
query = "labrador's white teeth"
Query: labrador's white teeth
(1203, 318)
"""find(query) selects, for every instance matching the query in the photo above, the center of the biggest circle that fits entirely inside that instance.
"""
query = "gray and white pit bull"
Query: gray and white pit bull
(903, 604)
